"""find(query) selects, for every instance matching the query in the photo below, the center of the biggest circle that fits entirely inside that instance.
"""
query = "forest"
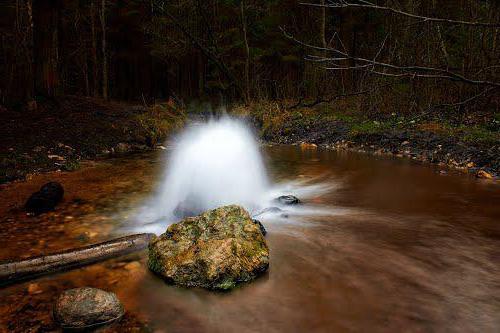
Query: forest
(249, 165)
(132, 50)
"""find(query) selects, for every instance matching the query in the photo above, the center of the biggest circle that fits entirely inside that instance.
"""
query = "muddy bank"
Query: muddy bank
(62, 133)
(421, 144)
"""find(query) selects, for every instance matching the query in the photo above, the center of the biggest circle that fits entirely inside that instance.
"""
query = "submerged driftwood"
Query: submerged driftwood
(29, 268)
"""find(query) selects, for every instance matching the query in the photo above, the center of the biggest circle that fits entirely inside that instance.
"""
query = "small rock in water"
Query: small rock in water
(288, 200)
(34, 289)
(46, 199)
(216, 250)
(85, 308)
(261, 226)
(132, 266)
(484, 174)
(305, 145)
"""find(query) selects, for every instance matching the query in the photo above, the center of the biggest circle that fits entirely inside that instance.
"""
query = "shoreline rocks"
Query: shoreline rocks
(216, 250)
(418, 145)
(484, 175)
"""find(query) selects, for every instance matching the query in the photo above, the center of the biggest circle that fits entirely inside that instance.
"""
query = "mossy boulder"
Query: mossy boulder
(216, 250)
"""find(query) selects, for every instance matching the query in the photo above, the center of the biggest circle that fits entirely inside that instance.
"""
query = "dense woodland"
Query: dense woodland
(397, 55)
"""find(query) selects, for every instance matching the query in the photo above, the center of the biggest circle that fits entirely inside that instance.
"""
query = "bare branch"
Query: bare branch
(423, 19)
(386, 69)
(320, 100)
(457, 104)
(468, 100)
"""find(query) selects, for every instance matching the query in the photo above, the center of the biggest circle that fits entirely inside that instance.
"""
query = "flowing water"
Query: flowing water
(217, 163)
(379, 244)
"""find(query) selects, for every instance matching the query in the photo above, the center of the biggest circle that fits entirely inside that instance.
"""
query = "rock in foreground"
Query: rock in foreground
(84, 308)
(215, 250)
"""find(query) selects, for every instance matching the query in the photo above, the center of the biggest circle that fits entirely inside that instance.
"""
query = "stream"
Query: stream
(385, 244)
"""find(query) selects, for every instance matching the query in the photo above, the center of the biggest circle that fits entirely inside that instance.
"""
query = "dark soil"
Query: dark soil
(61, 133)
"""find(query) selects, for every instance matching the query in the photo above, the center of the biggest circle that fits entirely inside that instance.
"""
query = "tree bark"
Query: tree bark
(208, 53)
(95, 74)
(29, 268)
(247, 51)
(46, 46)
(323, 25)
(104, 55)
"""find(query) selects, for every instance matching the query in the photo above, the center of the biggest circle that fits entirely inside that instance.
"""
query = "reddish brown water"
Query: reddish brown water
(412, 250)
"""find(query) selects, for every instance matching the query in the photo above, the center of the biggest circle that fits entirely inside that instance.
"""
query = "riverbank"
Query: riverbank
(61, 133)
(469, 147)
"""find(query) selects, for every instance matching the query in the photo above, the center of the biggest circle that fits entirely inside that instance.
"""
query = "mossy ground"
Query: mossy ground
(461, 140)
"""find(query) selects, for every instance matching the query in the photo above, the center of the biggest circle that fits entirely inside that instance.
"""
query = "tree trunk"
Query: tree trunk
(104, 55)
(323, 25)
(46, 51)
(95, 74)
(33, 267)
(247, 51)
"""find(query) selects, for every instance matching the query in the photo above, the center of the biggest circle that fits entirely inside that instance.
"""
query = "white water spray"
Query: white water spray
(214, 164)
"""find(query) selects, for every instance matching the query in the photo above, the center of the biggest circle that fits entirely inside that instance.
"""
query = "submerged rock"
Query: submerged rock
(45, 199)
(216, 250)
(288, 200)
(84, 308)
(188, 208)
(271, 210)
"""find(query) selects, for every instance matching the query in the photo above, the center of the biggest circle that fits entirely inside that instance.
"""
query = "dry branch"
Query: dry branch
(321, 100)
(383, 68)
(423, 19)
(29, 268)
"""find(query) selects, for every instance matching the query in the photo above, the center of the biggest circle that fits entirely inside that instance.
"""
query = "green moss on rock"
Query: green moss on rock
(216, 250)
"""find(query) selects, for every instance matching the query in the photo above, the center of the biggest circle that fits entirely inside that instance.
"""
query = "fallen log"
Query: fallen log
(33, 267)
